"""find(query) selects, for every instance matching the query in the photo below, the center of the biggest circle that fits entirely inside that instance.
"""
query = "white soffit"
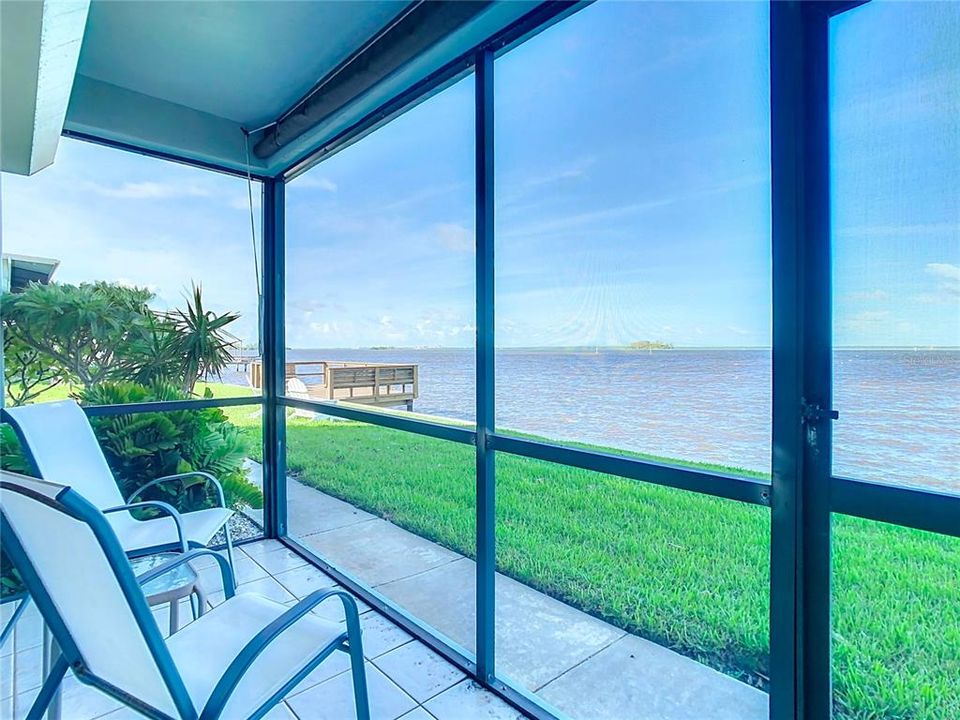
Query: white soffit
(39, 47)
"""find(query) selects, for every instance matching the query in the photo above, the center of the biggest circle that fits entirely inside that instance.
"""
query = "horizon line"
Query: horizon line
(615, 347)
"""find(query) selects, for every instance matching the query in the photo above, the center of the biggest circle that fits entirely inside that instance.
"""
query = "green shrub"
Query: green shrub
(11, 454)
(145, 446)
(11, 458)
(10, 582)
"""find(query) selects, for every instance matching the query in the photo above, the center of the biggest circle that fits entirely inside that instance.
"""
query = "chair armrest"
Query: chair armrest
(166, 508)
(226, 572)
(180, 476)
(244, 659)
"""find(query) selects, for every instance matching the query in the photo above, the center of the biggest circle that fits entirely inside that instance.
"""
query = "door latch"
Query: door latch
(814, 413)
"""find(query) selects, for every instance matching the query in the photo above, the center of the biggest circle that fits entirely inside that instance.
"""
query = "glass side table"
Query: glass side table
(171, 587)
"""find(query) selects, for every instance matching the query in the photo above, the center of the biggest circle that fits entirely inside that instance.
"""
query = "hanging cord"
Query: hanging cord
(253, 240)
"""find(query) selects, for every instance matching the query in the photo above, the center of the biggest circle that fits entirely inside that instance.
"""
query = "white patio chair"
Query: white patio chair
(59, 443)
(296, 388)
(237, 661)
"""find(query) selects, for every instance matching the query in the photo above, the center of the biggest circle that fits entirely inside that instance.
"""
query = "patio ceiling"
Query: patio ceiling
(187, 77)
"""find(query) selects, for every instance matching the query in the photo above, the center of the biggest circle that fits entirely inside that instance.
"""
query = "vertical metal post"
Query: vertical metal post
(786, 97)
(274, 414)
(486, 474)
(802, 339)
(817, 374)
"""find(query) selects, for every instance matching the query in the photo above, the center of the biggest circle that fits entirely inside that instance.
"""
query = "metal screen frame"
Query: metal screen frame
(803, 494)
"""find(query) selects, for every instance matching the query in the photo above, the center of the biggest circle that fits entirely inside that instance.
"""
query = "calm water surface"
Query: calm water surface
(899, 409)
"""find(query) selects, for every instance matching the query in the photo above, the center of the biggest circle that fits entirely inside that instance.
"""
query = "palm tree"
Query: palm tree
(199, 341)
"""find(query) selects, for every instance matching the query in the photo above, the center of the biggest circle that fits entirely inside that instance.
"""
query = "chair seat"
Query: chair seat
(199, 527)
(204, 649)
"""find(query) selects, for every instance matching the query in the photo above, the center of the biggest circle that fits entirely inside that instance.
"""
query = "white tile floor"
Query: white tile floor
(405, 678)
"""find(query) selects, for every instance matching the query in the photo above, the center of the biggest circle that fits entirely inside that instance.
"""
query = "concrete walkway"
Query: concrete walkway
(586, 668)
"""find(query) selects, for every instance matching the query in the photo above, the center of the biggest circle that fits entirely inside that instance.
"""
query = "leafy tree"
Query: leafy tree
(97, 332)
(155, 353)
(27, 371)
(199, 341)
(90, 332)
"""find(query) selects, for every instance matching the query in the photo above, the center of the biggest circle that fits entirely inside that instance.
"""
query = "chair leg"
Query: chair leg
(50, 652)
(201, 601)
(13, 668)
(226, 532)
(174, 616)
(49, 689)
(357, 669)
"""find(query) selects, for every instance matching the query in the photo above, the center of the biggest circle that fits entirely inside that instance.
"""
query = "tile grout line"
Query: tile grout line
(581, 662)
(432, 697)
(419, 573)
(314, 567)
(340, 527)
(445, 662)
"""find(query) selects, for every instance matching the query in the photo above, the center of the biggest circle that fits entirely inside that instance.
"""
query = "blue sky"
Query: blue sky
(632, 196)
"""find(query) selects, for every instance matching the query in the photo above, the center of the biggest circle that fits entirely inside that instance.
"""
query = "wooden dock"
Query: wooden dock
(379, 384)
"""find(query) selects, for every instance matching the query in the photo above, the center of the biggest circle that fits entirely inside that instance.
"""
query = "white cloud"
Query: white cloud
(899, 103)
(467, 329)
(866, 327)
(315, 181)
(570, 171)
(594, 218)
(390, 331)
(325, 328)
(307, 305)
(150, 190)
(884, 231)
(931, 299)
(869, 295)
(869, 317)
(242, 202)
(454, 236)
(457, 191)
(948, 277)
(127, 282)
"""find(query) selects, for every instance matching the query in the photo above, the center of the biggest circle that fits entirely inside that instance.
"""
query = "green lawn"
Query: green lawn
(686, 570)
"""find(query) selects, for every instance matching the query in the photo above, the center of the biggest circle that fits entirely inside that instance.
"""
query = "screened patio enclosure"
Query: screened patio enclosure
(615, 494)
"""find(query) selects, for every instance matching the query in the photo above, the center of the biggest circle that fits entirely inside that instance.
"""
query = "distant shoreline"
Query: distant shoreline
(593, 348)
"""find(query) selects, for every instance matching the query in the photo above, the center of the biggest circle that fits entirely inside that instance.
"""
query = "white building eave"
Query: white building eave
(39, 48)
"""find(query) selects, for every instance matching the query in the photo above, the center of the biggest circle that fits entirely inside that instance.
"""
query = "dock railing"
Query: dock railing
(378, 384)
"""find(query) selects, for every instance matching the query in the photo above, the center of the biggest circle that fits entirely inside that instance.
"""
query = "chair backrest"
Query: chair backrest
(297, 388)
(76, 571)
(62, 446)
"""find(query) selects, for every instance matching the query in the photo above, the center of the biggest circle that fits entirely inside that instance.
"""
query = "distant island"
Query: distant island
(650, 345)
